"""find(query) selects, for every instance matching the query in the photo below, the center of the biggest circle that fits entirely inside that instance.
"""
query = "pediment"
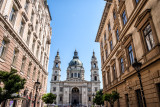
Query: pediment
(126, 38)
(141, 16)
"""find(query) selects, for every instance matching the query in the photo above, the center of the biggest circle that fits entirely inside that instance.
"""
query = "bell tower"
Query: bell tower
(94, 69)
(56, 68)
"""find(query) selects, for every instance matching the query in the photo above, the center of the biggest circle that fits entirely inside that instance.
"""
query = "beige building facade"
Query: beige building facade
(129, 29)
(25, 38)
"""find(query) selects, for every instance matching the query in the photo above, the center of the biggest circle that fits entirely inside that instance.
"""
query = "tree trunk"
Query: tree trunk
(112, 105)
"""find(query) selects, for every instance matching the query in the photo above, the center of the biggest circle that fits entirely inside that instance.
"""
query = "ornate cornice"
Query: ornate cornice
(102, 23)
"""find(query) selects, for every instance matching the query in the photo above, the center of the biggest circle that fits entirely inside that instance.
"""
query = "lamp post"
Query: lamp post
(37, 84)
(137, 66)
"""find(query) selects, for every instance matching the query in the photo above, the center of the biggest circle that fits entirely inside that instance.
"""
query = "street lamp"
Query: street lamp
(137, 66)
(37, 84)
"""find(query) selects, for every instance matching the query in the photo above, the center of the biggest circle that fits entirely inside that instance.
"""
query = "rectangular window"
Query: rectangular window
(127, 100)
(38, 74)
(109, 27)
(54, 88)
(72, 75)
(61, 89)
(122, 65)
(34, 72)
(60, 98)
(1, 1)
(137, 1)
(102, 59)
(106, 53)
(21, 27)
(2, 48)
(89, 89)
(139, 98)
(15, 55)
(148, 37)
(114, 15)
(37, 53)
(89, 98)
(28, 38)
(108, 77)
(26, 6)
(36, 26)
(79, 75)
(158, 89)
(12, 16)
(117, 34)
(32, 17)
(114, 71)
(130, 52)
(96, 89)
(105, 37)
(23, 64)
(101, 44)
(29, 70)
(33, 45)
(111, 45)
(124, 18)
(75, 74)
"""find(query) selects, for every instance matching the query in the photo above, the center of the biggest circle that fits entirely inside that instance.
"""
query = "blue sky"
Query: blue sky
(74, 26)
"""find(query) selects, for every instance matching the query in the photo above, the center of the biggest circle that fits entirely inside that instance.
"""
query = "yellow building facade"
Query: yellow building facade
(129, 29)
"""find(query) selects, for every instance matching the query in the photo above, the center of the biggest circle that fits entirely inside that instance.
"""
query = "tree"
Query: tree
(111, 98)
(99, 98)
(12, 83)
(48, 98)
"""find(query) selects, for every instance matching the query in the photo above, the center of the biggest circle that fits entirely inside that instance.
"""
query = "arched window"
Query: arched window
(55, 78)
(95, 78)
(78, 75)
(94, 66)
(56, 65)
(75, 74)
(72, 75)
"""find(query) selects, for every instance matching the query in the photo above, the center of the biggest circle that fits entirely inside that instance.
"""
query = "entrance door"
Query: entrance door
(75, 96)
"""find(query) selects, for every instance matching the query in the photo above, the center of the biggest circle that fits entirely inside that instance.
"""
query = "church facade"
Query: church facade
(75, 90)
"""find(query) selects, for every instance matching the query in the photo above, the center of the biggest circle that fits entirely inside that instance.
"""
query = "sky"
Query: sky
(74, 26)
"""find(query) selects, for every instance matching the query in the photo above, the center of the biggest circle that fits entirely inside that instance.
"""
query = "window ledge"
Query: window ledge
(1, 60)
(13, 67)
(28, 77)
(21, 73)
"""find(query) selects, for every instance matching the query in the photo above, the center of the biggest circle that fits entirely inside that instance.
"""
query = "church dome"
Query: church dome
(75, 61)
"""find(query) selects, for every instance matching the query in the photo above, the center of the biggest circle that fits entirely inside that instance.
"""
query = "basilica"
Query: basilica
(75, 90)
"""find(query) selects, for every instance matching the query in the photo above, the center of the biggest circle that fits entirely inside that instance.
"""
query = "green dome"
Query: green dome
(75, 62)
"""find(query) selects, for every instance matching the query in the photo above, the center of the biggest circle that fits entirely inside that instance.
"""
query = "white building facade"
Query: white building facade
(75, 90)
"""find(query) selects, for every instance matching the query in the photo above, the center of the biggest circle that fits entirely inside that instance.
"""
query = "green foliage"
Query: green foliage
(48, 98)
(99, 98)
(12, 84)
(112, 97)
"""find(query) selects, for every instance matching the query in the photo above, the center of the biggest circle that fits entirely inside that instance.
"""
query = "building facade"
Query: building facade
(129, 29)
(75, 90)
(25, 37)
